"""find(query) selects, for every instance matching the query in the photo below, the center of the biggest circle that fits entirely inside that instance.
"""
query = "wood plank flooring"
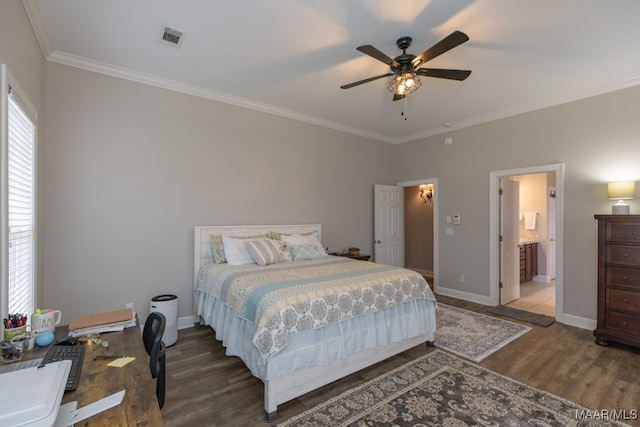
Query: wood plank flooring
(207, 388)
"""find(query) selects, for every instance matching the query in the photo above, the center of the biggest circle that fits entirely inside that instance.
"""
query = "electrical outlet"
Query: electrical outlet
(129, 305)
(461, 278)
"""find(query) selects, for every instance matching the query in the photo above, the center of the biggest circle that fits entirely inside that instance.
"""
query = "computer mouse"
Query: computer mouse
(68, 341)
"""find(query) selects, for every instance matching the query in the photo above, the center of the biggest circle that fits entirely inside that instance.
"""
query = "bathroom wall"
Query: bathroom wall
(533, 198)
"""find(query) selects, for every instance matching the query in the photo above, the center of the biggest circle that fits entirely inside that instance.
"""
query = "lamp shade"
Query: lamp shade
(621, 190)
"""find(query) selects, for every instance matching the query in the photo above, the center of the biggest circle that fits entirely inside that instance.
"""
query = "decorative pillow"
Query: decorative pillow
(235, 251)
(217, 249)
(261, 251)
(217, 246)
(283, 250)
(299, 239)
(301, 252)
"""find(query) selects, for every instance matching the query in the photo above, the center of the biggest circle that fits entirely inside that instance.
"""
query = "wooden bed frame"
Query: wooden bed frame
(289, 386)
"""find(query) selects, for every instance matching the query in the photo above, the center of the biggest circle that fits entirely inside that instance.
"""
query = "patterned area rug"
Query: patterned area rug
(440, 389)
(473, 336)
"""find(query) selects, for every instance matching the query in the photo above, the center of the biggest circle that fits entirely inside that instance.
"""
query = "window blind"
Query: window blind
(20, 204)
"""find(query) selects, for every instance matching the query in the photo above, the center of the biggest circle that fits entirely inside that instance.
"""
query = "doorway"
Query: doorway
(540, 222)
(431, 204)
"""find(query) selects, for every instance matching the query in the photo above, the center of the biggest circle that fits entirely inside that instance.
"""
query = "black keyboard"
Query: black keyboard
(57, 353)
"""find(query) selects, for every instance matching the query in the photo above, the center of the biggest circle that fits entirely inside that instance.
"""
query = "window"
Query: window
(18, 216)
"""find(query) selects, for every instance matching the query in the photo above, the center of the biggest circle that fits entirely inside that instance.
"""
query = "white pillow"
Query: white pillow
(235, 251)
(283, 250)
(261, 251)
(298, 239)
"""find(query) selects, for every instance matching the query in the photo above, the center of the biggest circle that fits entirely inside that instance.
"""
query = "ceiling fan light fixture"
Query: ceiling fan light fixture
(404, 83)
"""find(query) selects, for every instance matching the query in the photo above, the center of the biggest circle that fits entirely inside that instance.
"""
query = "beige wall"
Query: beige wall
(131, 169)
(597, 140)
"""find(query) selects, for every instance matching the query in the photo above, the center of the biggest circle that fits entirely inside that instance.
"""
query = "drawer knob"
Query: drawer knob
(633, 233)
(625, 255)
(625, 323)
(625, 301)
(625, 277)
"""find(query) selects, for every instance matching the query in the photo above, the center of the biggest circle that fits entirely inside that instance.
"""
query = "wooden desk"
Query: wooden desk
(97, 380)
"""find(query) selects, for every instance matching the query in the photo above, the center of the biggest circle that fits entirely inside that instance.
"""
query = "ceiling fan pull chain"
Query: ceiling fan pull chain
(404, 107)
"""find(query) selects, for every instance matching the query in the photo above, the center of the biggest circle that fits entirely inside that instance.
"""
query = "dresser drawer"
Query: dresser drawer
(622, 255)
(623, 277)
(618, 299)
(623, 322)
(623, 232)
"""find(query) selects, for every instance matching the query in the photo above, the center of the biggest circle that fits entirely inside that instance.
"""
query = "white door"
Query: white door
(388, 208)
(510, 232)
(551, 234)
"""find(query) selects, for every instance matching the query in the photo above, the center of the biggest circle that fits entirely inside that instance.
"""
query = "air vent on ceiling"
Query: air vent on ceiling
(172, 37)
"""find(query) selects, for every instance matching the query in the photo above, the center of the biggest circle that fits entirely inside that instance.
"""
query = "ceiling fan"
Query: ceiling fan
(404, 67)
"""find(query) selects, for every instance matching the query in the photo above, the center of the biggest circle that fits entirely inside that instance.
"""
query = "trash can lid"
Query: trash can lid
(164, 298)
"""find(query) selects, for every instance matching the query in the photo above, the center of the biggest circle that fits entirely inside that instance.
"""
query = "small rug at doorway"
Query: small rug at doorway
(441, 389)
(525, 316)
(471, 335)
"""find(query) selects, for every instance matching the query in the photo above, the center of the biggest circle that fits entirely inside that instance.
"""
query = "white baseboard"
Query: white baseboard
(185, 322)
(543, 279)
(579, 322)
(480, 299)
(421, 272)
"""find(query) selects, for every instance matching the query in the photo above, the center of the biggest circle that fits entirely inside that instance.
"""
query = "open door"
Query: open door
(388, 208)
(510, 238)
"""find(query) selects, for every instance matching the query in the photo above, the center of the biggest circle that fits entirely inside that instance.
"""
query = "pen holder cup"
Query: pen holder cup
(9, 333)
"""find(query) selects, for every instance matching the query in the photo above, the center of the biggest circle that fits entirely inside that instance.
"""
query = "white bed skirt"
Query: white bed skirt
(319, 346)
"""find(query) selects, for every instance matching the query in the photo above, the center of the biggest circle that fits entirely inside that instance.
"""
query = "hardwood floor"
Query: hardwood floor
(207, 388)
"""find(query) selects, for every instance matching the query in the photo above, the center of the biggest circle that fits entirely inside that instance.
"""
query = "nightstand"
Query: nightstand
(360, 257)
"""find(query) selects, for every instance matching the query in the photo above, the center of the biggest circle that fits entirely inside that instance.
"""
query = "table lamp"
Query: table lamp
(621, 191)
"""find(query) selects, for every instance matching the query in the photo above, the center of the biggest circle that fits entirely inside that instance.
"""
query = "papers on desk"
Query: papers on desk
(110, 321)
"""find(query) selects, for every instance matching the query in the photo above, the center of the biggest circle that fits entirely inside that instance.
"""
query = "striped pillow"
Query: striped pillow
(262, 252)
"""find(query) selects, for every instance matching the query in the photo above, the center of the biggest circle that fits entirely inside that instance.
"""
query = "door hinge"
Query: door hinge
(500, 238)
(500, 191)
(500, 286)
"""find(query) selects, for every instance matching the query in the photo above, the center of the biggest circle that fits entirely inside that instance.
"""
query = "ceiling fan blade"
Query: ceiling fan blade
(443, 73)
(375, 53)
(370, 79)
(397, 97)
(452, 40)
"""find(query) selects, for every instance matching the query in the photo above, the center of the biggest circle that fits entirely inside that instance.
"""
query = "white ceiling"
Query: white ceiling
(290, 57)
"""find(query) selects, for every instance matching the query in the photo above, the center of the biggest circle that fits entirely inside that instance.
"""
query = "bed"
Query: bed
(309, 320)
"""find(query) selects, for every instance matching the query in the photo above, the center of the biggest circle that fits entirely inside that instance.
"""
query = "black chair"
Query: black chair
(152, 337)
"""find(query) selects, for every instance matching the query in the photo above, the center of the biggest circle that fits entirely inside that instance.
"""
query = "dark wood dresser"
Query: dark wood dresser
(618, 279)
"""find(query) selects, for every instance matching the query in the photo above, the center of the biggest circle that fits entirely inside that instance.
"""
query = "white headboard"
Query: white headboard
(202, 238)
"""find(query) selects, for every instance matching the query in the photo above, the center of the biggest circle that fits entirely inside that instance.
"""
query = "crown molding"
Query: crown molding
(526, 108)
(173, 85)
(35, 17)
